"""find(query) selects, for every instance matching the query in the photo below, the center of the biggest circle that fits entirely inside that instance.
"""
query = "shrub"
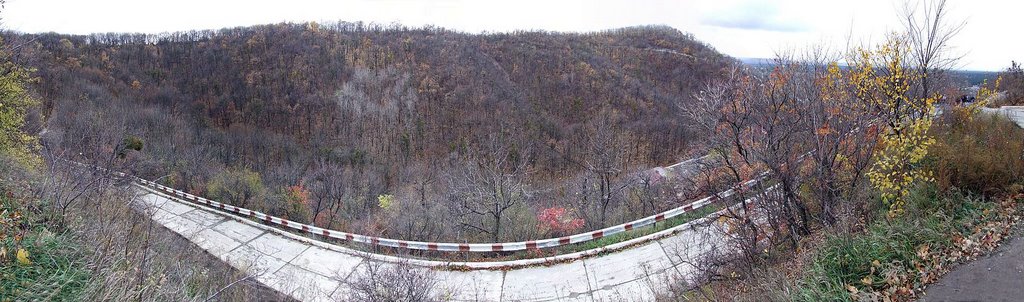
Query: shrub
(297, 199)
(892, 254)
(983, 154)
(392, 282)
(236, 186)
(385, 201)
(133, 143)
(558, 221)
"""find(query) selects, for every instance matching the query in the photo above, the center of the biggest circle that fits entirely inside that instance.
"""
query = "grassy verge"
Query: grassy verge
(54, 270)
(56, 273)
(894, 259)
(637, 233)
(979, 169)
(973, 203)
(108, 251)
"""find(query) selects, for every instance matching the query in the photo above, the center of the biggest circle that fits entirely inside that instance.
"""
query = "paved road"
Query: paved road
(1014, 113)
(996, 277)
(316, 271)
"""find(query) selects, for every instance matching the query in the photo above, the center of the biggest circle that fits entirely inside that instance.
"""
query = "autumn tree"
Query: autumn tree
(883, 79)
(297, 200)
(236, 186)
(755, 126)
(840, 133)
(15, 106)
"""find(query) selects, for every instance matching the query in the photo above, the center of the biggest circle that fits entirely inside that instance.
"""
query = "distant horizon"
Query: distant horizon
(745, 60)
(738, 28)
(415, 27)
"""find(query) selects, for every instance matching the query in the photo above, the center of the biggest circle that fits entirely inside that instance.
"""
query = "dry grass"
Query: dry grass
(133, 258)
(984, 154)
(107, 249)
(977, 164)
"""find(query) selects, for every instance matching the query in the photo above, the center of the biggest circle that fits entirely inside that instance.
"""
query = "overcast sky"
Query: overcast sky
(740, 28)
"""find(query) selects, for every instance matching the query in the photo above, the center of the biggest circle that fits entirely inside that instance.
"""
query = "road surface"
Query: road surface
(1013, 113)
(311, 270)
(998, 276)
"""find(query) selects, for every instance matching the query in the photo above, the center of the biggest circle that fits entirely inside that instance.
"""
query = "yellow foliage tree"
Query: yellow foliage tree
(883, 81)
(385, 201)
(15, 103)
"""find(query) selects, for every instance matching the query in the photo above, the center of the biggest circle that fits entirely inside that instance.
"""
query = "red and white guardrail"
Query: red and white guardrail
(445, 246)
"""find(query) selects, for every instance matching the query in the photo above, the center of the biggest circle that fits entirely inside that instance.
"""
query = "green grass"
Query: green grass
(637, 233)
(847, 258)
(56, 273)
(972, 161)
(579, 247)
(621, 237)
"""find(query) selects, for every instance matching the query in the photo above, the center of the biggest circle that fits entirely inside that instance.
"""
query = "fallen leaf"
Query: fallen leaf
(23, 257)
(853, 289)
(867, 280)
(922, 251)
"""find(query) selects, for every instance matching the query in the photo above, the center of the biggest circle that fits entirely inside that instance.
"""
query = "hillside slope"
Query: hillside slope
(381, 110)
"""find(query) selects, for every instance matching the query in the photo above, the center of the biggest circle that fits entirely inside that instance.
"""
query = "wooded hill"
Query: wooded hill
(287, 110)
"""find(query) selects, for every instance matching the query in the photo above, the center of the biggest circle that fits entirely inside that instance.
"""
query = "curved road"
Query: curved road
(312, 270)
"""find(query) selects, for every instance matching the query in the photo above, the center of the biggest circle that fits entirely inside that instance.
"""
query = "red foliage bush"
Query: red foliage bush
(558, 221)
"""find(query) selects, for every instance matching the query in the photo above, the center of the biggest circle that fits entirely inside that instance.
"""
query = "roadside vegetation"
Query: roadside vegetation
(973, 205)
(71, 234)
(433, 135)
(879, 194)
(319, 123)
(971, 200)
(1013, 82)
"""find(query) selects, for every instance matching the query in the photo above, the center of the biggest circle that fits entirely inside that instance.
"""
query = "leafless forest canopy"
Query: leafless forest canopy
(387, 130)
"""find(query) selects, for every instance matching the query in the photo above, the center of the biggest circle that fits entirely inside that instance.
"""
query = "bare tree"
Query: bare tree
(326, 183)
(929, 31)
(420, 212)
(754, 125)
(400, 282)
(82, 160)
(721, 111)
(838, 132)
(604, 159)
(608, 151)
(488, 183)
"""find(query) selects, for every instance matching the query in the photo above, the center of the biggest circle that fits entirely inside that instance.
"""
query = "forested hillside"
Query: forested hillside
(380, 129)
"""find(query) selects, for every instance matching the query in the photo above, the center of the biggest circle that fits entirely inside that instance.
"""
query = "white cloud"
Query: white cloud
(753, 15)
